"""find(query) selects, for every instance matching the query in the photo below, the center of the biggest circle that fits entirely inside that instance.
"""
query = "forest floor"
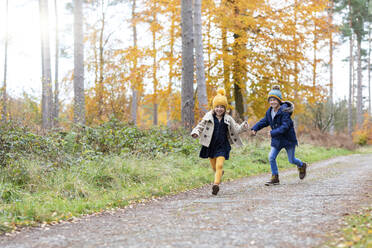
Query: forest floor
(245, 213)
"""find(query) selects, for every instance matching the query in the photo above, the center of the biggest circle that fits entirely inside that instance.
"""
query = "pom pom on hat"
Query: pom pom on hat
(275, 92)
(276, 87)
(220, 98)
(221, 91)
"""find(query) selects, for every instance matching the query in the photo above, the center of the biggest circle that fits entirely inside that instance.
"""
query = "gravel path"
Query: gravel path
(244, 214)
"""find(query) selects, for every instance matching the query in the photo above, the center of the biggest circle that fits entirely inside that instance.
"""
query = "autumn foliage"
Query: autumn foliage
(248, 46)
(363, 134)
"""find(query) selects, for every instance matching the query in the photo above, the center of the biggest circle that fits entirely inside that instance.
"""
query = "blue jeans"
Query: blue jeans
(291, 158)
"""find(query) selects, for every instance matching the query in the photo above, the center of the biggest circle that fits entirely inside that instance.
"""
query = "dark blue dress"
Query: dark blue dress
(220, 145)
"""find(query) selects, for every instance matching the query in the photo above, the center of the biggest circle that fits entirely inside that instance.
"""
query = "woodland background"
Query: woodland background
(191, 49)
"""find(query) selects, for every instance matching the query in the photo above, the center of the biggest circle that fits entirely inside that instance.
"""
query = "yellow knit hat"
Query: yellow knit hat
(220, 98)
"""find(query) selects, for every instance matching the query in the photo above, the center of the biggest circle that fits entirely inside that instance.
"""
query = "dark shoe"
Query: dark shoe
(302, 171)
(215, 189)
(274, 180)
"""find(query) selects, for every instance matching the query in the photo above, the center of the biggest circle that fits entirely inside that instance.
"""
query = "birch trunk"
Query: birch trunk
(187, 100)
(79, 98)
(4, 110)
(134, 83)
(199, 56)
(47, 99)
(56, 83)
(330, 16)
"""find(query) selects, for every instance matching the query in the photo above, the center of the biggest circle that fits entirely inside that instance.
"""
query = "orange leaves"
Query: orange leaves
(363, 134)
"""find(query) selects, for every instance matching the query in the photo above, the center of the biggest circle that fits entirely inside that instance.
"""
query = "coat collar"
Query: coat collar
(209, 117)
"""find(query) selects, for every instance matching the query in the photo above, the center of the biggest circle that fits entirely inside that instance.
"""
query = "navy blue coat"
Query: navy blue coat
(282, 132)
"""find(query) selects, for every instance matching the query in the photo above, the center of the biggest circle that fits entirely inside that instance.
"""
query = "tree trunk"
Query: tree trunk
(237, 78)
(296, 71)
(351, 62)
(330, 16)
(56, 83)
(226, 65)
(369, 69)
(79, 97)
(171, 65)
(314, 60)
(47, 92)
(187, 91)
(238, 70)
(154, 70)
(101, 65)
(134, 83)
(359, 83)
(4, 110)
(199, 56)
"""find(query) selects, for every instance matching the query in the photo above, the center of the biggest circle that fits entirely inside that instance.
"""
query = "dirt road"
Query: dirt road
(244, 214)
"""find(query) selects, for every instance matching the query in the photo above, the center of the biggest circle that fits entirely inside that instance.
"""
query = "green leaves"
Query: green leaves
(112, 137)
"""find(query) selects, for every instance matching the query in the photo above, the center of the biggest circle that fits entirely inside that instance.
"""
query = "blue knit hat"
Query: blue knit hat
(275, 92)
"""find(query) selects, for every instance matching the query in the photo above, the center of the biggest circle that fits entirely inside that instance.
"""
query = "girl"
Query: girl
(283, 135)
(217, 131)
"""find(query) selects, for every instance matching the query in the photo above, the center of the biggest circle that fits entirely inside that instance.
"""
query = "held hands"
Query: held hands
(245, 125)
(253, 133)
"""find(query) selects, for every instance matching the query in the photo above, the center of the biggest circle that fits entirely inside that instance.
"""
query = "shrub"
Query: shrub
(363, 135)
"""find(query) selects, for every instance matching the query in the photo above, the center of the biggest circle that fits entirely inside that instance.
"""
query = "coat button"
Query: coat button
(235, 140)
(205, 136)
(232, 134)
(207, 128)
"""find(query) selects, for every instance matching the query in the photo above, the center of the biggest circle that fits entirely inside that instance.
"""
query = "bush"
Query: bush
(363, 135)
(69, 148)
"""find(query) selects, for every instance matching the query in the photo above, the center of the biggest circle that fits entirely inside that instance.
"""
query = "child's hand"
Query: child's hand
(194, 135)
(253, 133)
(245, 125)
(269, 134)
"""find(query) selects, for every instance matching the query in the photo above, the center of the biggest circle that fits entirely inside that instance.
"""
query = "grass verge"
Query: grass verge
(32, 193)
(357, 231)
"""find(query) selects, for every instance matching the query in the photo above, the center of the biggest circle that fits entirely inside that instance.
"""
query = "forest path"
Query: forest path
(246, 213)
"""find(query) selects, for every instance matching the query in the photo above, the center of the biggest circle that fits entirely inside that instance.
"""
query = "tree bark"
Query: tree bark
(237, 77)
(359, 106)
(351, 62)
(154, 69)
(226, 65)
(101, 65)
(134, 83)
(56, 83)
(4, 110)
(171, 65)
(199, 56)
(238, 70)
(187, 91)
(369, 69)
(330, 16)
(47, 92)
(79, 97)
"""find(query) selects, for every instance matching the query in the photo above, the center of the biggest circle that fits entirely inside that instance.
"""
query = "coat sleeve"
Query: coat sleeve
(284, 127)
(238, 128)
(199, 128)
(264, 122)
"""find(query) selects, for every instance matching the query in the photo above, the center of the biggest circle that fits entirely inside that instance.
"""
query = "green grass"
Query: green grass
(357, 231)
(31, 192)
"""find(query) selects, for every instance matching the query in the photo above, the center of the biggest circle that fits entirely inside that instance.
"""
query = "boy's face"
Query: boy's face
(274, 103)
(219, 110)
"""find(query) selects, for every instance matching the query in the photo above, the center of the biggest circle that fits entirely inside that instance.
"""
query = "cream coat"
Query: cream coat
(204, 130)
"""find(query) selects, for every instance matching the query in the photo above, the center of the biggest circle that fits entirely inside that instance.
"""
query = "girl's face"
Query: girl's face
(274, 103)
(219, 110)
